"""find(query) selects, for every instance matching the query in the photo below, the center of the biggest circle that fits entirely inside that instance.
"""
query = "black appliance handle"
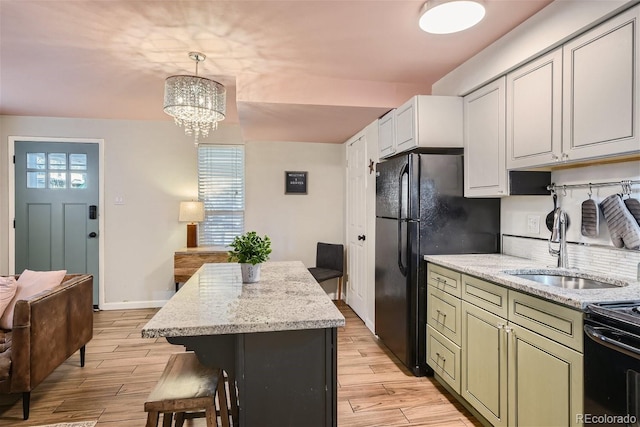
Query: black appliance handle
(401, 266)
(597, 334)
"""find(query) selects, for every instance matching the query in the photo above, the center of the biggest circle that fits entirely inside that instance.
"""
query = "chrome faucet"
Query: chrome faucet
(559, 235)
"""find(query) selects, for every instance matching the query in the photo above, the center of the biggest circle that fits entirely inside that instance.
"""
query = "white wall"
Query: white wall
(153, 166)
(295, 223)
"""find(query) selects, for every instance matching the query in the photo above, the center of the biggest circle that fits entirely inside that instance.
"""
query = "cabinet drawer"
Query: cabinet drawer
(556, 322)
(444, 279)
(443, 313)
(486, 295)
(444, 358)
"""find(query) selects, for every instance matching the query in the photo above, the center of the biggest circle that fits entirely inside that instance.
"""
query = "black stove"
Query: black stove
(625, 314)
(612, 364)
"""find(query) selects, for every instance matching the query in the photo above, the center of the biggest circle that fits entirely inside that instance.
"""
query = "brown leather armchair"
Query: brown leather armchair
(47, 329)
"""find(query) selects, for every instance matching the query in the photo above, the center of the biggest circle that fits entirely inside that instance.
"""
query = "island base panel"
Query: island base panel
(285, 378)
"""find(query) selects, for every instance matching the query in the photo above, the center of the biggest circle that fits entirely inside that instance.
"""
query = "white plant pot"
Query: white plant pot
(250, 273)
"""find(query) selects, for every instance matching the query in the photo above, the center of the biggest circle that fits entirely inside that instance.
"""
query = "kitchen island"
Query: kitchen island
(277, 339)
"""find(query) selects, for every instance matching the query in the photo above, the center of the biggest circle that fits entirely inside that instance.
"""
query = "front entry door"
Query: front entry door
(56, 208)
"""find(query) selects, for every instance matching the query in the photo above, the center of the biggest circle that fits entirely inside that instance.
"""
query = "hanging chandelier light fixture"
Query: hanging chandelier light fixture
(195, 102)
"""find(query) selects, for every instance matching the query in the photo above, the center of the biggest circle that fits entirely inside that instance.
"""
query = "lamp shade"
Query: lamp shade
(191, 212)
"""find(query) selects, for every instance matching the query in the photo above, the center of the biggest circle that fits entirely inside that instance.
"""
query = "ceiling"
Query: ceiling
(295, 70)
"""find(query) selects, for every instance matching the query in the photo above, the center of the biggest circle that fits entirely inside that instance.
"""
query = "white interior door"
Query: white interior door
(357, 220)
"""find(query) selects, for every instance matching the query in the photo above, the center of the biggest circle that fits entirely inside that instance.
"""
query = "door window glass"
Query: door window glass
(57, 160)
(51, 170)
(77, 162)
(35, 161)
(36, 180)
(57, 180)
(78, 180)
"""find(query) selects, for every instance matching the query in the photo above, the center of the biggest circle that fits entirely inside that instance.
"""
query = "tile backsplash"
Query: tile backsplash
(600, 259)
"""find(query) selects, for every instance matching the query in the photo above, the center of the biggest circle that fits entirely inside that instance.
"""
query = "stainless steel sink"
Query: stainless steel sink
(566, 281)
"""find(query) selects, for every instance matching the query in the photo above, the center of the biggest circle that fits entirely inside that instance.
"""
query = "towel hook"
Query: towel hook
(590, 191)
(626, 188)
(564, 191)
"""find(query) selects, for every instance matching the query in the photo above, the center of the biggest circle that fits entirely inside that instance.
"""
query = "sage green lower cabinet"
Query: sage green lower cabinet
(484, 363)
(545, 381)
(519, 356)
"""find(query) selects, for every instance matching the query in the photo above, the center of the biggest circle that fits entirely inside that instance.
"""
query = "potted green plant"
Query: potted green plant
(250, 250)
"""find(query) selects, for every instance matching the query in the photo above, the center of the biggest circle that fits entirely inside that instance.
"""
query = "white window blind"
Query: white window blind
(221, 188)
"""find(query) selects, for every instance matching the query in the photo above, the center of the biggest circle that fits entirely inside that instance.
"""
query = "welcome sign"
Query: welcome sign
(295, 182)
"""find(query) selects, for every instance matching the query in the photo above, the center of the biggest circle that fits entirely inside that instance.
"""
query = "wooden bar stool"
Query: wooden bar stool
(186, 386)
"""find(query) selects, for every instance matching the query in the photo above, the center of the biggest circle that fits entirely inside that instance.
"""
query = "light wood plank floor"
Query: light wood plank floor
(122, 368)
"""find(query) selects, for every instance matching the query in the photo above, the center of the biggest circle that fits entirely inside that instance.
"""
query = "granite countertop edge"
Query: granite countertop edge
(240, 329)
(492, 267)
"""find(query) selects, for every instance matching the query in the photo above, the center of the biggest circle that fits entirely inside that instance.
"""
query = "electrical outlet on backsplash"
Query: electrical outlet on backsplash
(623, 263)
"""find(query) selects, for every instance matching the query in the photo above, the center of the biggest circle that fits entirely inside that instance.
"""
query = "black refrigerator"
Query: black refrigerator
(420, 210)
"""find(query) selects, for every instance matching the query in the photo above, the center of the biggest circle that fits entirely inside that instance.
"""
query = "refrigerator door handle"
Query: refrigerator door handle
(402, 192)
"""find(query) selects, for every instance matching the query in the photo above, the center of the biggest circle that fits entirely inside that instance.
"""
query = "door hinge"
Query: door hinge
(14, 159)
(14, 223)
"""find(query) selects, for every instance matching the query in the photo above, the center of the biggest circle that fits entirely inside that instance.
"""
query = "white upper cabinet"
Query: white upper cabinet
(534, 112)
(429, 121)
(387, 135)
(601, 76)
(422, 121)
(485, 172)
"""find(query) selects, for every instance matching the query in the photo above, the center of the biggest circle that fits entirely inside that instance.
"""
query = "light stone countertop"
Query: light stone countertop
(492, 267)
(214, 301)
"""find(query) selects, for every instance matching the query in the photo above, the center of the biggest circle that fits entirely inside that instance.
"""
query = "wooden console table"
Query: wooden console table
(187, 261)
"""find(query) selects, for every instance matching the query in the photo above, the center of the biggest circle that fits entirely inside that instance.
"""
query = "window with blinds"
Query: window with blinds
(221, 188)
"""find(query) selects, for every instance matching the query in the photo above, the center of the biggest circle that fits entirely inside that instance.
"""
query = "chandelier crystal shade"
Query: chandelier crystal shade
(195, 102)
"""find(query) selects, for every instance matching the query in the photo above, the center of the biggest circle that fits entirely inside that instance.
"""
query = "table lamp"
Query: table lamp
(191, 212)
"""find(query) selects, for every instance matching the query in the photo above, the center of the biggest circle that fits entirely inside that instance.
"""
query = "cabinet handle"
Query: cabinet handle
(439, 356)
(509, 330)
(441, 313)
(565, 156)
(500, 325)
(554, 158)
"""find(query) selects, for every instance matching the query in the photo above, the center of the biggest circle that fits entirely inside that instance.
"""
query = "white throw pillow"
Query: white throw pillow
(28, 284)
(8, 286)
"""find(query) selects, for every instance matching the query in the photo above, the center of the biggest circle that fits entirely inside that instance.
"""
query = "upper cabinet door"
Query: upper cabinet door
(429, 121)
(406, 126)
(534, 112)
(485, 173)
(387, 135)
(600, 96)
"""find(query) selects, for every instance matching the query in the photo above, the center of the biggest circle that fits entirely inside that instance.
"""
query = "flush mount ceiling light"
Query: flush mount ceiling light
(194, 102)
(450, 16)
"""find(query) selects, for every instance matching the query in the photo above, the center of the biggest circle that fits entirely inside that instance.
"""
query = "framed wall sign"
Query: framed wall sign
(295, 182)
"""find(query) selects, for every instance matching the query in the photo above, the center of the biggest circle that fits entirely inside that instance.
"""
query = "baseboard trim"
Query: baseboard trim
(132, 305)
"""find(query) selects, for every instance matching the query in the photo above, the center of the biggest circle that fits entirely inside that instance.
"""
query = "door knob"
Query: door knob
(93, 234)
